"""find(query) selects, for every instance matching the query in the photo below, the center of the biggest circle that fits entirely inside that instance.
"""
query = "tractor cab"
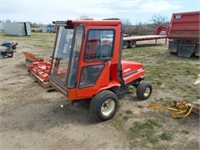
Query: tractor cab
(86, 64)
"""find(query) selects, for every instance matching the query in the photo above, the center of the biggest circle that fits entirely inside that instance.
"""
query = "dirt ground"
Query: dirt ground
(32, 118)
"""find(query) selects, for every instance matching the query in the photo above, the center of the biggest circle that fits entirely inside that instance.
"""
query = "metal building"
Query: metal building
(17, 28)
(1, 26)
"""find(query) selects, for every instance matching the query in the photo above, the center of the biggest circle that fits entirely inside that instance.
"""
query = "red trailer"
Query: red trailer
(184, 34)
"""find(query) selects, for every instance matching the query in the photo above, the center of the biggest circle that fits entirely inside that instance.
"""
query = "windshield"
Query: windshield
(75, 57)
(66, 55)
(62, 54)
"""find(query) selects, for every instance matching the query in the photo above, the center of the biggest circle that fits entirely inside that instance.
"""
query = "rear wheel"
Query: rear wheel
(132, 44)
(144, 90)
(104, 105)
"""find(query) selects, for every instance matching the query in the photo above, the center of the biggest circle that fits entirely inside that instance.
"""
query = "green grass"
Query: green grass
(174, 74)
(147, 124)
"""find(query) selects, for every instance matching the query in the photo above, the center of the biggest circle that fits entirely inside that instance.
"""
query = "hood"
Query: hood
(130, 67)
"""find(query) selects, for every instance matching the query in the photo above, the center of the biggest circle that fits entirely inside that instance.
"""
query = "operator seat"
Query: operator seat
(104, 52)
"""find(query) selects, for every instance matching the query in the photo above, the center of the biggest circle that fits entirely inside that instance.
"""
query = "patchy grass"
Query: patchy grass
(185, 132)
(165, 102)
(165, 136)
(129, 112)
(41, 43)
(148, 132)
(118, 123)
(125, 118)
(161, 147)
(174, 77)
(147, 124)
(144, 130)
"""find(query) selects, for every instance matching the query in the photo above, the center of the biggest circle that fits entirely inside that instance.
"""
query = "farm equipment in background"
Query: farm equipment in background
(8, 49)
(86, 65)
(160, 33)
(184, 34)
(49, 29)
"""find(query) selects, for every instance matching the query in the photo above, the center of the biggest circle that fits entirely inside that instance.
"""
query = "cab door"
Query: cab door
(96, 60)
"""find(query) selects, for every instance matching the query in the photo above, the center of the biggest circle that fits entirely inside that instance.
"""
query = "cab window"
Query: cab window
(99, 45)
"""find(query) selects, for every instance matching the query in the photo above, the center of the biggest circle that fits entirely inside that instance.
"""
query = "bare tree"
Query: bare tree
(144, 28)
(128, 27)
(159, 20)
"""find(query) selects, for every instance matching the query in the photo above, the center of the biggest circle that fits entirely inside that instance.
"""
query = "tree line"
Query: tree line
(145, 28)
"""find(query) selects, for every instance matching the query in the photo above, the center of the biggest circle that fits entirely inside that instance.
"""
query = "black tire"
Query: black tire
(125, 45)
(144, 90)
(98, 102)
(132, 44)
(173, 53)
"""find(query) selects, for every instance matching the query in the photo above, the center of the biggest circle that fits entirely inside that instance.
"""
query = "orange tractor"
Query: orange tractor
(86, 64)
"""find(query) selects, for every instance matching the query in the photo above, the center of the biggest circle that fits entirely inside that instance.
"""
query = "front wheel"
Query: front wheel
(144, 90)
(125, 45)
(104, 105)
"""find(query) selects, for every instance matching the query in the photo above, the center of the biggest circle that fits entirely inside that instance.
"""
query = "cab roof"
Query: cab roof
(89, 22)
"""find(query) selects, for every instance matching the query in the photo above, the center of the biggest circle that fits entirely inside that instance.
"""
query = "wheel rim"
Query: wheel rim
(147, 92)
(108, 107)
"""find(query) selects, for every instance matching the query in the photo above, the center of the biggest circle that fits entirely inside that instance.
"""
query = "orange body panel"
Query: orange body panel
(131, 71)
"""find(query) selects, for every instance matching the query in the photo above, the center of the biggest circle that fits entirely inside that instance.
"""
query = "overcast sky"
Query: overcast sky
(46, 11)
